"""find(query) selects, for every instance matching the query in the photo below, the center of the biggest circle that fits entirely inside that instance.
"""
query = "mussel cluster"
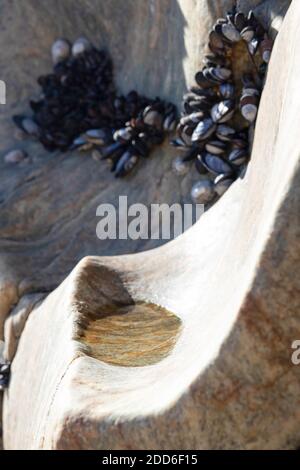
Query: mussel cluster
(213, 131)
(79, 108)
(4, 375)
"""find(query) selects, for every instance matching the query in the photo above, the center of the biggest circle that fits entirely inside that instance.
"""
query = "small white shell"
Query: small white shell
(202, 192)
(80, 46)
(249, 112)
(60, 50)
(266, 56)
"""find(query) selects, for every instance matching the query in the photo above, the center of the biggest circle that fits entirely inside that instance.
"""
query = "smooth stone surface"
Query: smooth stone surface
(15, 323)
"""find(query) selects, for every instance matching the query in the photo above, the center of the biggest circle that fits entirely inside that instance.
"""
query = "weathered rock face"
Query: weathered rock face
(232, 279)
(48, 204)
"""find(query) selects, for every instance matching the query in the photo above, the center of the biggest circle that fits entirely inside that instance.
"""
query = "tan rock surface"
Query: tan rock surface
(48, 204)
(233, 280)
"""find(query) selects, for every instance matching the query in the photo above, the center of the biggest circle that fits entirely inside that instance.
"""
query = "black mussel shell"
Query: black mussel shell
(215, 39)
(98, 136)
(240, 21)
(124, 134)
(187, 132)
(178, 143)
(223, 111)
(170, 122)
(216, 147)
(213, 60)
(153, 117)
(225, 133)
(79, 143)
(253, 46)
(114, 158)
(203, 130)
(126, 164)
(202, 170)
(202, 81)
(222, 183)
(207, 92)
(111, 149)
(26, 124)
(227, 90)
(190, 154)
(140, 147)
(192, 118)
(238, 157)
(215, 164)
(209, 75)
(248, 33)
(230, 32)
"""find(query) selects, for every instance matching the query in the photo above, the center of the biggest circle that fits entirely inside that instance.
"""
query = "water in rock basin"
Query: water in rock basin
(133, 335)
